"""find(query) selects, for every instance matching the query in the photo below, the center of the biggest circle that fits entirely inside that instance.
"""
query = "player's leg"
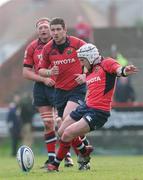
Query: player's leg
(83, 161)
(64, 146)
(46, 114)
(76, 98)
(68, 162)
(43, 100)
(71, 106)
(72, 132)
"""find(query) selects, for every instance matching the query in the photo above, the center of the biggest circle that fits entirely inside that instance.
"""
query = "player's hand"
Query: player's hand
(131, 69)
(80, 78)
(49, 82)
(55, 70)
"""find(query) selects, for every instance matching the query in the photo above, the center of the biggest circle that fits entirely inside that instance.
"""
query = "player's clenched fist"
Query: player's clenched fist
(55, 70)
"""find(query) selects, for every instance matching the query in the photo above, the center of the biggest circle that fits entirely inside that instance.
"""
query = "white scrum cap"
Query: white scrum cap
(90, 52)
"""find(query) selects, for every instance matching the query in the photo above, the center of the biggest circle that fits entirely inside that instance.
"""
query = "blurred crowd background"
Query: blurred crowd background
(115, 26)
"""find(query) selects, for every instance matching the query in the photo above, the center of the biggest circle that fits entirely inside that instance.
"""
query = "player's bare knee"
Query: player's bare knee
(66, 135)
(60, 132)
(58, 122)
(49, 125)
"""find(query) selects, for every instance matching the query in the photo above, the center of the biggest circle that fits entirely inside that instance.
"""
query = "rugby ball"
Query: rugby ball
(25, 158)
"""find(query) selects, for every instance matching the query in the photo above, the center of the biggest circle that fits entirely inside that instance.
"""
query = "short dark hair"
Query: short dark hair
(56, 21)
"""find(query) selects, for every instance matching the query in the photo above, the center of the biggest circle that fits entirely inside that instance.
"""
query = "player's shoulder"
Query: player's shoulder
(49, 44)
(109, 64)
(108, 61)
(33, 44)
(76, 42)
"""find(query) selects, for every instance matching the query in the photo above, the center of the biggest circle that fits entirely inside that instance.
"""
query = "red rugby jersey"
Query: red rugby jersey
(67, 61)
(33, 54)
(101, 83)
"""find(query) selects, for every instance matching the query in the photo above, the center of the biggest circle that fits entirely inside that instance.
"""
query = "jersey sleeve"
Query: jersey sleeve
(110, 65)
(28, 56)
(44, 61)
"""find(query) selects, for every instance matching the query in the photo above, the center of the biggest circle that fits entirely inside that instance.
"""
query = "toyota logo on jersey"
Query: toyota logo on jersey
(92, 80)
(64, 61)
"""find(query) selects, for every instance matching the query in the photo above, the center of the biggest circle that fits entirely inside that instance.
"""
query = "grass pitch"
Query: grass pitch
(102, 168)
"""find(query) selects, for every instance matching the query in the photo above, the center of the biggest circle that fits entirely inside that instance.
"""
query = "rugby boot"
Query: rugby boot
(68, 162)
(51, 168)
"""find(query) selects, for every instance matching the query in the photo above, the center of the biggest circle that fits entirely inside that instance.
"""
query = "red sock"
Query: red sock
(63, 149)
(75, 148)
(77, 143)
(50, 141)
